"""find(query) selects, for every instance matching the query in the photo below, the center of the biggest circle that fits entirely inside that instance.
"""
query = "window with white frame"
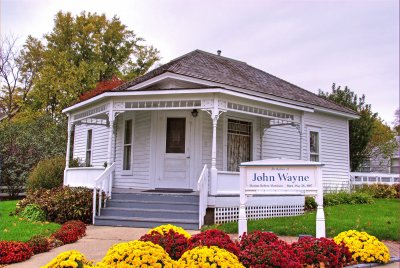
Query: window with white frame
(239, 143)
(89, 139)
(127, 156)
(395, 165)
(314, 142)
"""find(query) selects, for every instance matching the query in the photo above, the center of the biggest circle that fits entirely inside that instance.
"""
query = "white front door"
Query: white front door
(174, 148)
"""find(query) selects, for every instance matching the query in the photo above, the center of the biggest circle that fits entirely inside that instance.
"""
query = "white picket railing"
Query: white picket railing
(360, 178)
(202, 188)
(103, 183)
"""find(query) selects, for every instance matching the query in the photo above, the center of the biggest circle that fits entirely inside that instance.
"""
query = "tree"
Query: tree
(360, 130)
(24, 141)
(81, 51)
(396, 122)
(15, 76)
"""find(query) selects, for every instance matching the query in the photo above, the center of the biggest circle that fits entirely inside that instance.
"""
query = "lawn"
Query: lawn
(14, 228)
(380, 219)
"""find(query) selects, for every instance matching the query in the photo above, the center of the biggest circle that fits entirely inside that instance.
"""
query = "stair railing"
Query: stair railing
(103, 183)
(202, 188)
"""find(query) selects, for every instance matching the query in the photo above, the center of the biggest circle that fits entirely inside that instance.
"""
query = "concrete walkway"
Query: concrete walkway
(99, 239)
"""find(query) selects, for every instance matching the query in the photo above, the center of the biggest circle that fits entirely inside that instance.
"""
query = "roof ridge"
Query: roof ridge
(219, 56)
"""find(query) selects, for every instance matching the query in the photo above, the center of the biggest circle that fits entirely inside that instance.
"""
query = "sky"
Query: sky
(311, 43)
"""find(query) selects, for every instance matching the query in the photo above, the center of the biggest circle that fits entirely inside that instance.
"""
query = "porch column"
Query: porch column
(68, 142)
(214, 171)
(68, 154)
(110, 138)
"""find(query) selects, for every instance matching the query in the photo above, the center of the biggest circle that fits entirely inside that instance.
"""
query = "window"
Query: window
(127, 160)
(89, 139)
(365, 165)
(395, 166)
(314, 146)
(239, 143)
(175, 142)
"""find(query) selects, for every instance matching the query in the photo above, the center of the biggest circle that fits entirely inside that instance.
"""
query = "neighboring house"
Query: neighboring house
(162, 128)
(381, 164)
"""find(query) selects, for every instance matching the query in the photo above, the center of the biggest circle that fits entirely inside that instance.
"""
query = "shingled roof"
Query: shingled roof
(215, 68)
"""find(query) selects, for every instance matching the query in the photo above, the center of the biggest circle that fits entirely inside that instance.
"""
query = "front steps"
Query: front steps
(150, 209)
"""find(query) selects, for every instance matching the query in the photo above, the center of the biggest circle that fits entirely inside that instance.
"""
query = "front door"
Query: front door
(174, 142)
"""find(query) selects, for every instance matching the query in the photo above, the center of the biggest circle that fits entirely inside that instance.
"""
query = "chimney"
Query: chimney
(219, 52)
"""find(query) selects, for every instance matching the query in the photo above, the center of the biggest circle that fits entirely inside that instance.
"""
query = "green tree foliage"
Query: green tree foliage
(360, 130)
(383, 142)
(79, 52)
(24, 141)
(396, 122)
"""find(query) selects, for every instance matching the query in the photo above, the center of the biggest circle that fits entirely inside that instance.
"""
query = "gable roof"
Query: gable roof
(203, 65)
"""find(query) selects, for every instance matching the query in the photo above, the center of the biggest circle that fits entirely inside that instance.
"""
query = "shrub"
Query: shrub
(397, 188)
(214, 238)
(274, 254)
(39, 244)
(164, 229)
(256, 237)
(13, 251)
(173, 243)
(379, 190)
(33, 212)
(208, 257)
(69, 259)
(136, 254)
(47, 174)
(363, 247)
(333, 199)
(313, 251)
(309, 203)
(70, 232)
(61, 204)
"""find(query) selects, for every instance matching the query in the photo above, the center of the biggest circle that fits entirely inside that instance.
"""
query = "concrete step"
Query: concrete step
(145, 222)
(150, 213)
(156, 197)
(165, 205)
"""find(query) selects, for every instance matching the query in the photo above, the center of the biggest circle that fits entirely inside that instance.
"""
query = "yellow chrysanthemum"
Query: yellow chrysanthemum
(69, 259)
(364, 247)
(163, 229)
(208, 257)
(136, 254)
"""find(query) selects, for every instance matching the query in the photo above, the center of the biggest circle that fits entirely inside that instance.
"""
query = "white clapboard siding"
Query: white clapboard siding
(140, 177)
(281, 141)
(99, 143)
(334, 147)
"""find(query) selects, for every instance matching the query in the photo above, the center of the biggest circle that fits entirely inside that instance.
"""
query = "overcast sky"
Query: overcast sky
(308, 43)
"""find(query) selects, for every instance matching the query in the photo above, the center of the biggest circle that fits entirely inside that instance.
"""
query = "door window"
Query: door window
(176, 132)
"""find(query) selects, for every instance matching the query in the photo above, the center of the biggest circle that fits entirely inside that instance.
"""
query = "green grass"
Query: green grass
(16, 229)
(380, 219)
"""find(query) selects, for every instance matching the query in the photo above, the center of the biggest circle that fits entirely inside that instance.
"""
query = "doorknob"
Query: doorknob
(187, 157)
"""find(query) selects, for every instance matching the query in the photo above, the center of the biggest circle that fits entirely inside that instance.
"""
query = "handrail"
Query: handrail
(202, 187)
(103, 185)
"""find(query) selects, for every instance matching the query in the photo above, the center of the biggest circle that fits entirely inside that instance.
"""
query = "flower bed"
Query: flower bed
(13, 251)
(167, 246)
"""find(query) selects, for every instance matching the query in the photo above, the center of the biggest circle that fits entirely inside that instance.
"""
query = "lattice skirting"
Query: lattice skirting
(228, 214)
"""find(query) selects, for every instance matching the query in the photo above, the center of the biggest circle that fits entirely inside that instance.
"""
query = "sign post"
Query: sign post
(281, 177)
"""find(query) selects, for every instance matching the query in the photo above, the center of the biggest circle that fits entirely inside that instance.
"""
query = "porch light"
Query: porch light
(195, 113)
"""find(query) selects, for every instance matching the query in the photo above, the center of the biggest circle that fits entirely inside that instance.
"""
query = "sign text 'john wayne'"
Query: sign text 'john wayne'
(289, 177)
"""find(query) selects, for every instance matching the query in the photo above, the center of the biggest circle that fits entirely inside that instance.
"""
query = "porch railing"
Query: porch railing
(103, 183)
(202, 187)
(360, 178)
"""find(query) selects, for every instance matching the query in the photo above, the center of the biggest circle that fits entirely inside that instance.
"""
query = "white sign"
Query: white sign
(280, 177)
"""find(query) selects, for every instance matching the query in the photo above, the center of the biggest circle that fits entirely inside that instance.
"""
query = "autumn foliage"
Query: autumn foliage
(101, 87)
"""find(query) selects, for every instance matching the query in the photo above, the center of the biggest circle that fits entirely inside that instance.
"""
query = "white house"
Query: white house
(200, 112)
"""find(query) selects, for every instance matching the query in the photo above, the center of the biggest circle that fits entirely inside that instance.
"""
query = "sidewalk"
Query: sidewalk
(99, 239)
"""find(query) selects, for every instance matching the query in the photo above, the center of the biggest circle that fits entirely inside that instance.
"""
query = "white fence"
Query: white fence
(202, 187)
(360, 178)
